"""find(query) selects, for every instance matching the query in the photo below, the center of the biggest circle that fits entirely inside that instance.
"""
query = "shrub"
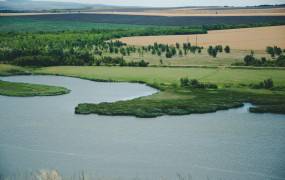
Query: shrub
(280, 61)
(266, 84)
(194, 83)
(249, 60)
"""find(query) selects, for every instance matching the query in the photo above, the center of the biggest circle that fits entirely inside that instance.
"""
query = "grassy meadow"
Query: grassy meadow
(151, 75)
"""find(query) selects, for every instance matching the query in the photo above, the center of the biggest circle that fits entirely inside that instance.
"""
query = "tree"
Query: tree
(168, 54)
(280, 61)
(268, 83)
(177, 45)
(249, 60)
(227, 49)
(270, 50)
(184, 82)
(219, 48)
(180, 53)
(277, 50)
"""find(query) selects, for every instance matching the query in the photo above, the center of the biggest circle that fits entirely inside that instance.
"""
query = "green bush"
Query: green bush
(194, 83)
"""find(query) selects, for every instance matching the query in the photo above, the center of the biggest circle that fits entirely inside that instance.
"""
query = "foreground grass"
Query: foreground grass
(173, 100)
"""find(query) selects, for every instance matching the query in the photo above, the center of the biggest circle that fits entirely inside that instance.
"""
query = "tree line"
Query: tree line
(278, 58)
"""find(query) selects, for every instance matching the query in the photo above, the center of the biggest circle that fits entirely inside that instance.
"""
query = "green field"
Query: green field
(167, 75)
(18, 24)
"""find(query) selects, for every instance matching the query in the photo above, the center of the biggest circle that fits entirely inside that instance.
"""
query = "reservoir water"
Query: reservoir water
(44, 133)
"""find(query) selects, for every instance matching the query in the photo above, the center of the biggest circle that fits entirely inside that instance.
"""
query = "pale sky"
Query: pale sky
(175, 2)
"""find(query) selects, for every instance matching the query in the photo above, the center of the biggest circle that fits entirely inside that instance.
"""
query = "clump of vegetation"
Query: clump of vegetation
(227, 49)
(194, 83)
(250, 60)
(274, 51)
(213, 51)
(170, 50)
(119, 61)
(266, 84)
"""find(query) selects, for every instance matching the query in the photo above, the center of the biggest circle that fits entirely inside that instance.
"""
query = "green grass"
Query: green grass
(172, 100)
(157, 75)
(7, 70)
(27, 90)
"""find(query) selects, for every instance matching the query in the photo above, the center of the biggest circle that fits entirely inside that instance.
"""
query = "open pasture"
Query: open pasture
(242, 39)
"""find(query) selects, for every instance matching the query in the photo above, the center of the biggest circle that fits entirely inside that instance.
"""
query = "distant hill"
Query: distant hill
(29, 5)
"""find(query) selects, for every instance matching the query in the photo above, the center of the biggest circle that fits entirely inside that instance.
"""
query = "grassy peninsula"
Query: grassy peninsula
(25, 89)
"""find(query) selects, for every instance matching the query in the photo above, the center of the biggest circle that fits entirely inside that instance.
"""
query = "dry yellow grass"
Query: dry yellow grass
(241, 39)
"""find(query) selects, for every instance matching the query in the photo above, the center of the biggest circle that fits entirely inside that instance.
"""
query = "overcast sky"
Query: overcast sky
(176, 2)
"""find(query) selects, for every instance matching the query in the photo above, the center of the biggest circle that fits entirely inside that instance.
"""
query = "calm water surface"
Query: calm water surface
(44, 133)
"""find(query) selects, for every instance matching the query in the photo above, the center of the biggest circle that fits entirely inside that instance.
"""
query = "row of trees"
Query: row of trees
(119, 61)
(170, 50)
(250, 60)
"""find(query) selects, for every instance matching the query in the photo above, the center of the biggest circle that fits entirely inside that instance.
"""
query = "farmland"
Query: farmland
(241, 39)
(157, 20)
(76, 87)
(89, 45)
